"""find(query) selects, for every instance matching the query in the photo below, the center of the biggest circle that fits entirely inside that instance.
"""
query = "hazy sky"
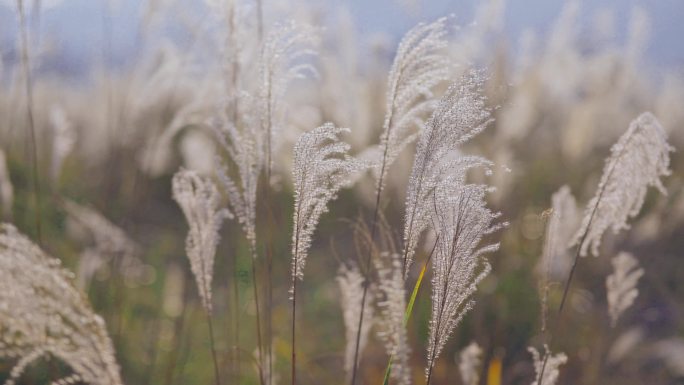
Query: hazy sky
(76, 26)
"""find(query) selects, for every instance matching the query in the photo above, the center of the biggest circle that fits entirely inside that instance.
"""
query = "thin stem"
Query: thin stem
(236, 317)
(366, 283)
(258, 317)
(294, 297)
(294, 307)
(217, 377)
(409, 306)
(28, 82)
(591, 219)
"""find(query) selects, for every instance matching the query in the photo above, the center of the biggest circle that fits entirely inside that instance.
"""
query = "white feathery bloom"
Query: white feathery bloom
(462, 219)
(246, 152)
(392, 308)
(322, 167)
(560, 228)
(350, 281)
(638, 160)
(200, 201)
(63, 141)
(282, 61)
(551, 369)
(621, 286)
(6, 189)
(469, 364)
(460, 115)
(419, 65)
(43, 314)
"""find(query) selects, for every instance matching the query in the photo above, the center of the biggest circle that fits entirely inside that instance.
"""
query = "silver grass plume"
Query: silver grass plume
(638, 160)
(469, 364)
(561, 226)
(562, 222)
(246, 153)
(621, 286)
(392, 309)
(282, 61)
(63, 140)
(321, 168)
(551, 367)
(200, 202)
(42, 314)
(419, 65)
(350, 281)
(460, 115)
(462, 219)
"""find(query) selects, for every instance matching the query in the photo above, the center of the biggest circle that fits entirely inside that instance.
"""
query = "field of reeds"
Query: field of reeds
(263, 195)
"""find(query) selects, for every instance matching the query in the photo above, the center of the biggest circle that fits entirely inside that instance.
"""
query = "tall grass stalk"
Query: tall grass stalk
(258, 318)
(28, 83)
(217, 375)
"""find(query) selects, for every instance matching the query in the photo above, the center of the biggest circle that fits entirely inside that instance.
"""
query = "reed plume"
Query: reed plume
(638, 160)
(470, 363)
(322, 166)
(551, 362)
(462, 220)
(460, 115)
(351, 283)
(621, 286)
(43, 314)
(200, 201)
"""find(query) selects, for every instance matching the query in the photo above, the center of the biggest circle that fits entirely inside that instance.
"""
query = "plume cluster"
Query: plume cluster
(42, 314)
(249, 124)
(462, 219)
(551, 368)
(460, 115)
(351, 281)
(392, 309)
(560, 228)
(638, 160)
(281, 62)
(322, 166)
(246, 152)
(621, 286)
(469, 364)
(200, 202)
(419, 65)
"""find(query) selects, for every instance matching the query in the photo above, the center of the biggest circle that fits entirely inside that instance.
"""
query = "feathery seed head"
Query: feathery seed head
(638, 160)
(42, 313)
(322, 167)
(199, 200)
(621, 286)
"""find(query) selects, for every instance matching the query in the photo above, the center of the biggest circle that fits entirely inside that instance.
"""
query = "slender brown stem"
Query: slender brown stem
(294, 297)
(294, 311)
(236, 317)
(217, 376)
